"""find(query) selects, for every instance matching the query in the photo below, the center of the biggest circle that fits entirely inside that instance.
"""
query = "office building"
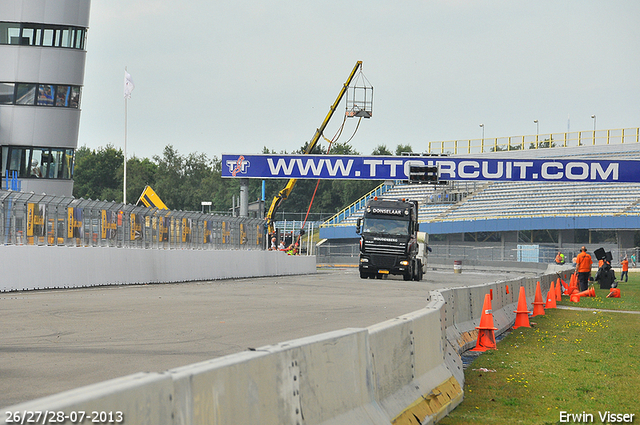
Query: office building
(42, 61)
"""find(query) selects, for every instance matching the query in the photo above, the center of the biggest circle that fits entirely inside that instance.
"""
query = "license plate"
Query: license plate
(383, 271)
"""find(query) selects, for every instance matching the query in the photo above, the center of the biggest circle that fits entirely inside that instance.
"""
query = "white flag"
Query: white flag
(128, 85)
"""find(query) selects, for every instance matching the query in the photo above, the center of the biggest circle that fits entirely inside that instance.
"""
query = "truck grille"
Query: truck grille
(383, 261)
(378, 248)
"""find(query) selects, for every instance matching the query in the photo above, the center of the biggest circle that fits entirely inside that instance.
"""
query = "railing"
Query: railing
(498, 144)
(31, 219)
(295, 225)
(357, 205)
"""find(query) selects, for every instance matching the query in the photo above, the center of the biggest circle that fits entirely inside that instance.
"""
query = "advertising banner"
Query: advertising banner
(74, 223)
(186, 230)
(108, 226)
(136, 227)
(226, 232)
(449, 168)
(259, 235)
(36, 230)
(208, 229)
(164, 224)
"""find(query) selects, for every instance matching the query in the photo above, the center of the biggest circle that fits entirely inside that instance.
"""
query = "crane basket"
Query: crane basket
(360, 97)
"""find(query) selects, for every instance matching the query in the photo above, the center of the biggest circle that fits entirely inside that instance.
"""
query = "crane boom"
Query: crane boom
(284, 193)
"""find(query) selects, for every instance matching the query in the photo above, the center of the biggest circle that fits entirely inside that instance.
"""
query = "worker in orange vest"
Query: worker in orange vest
(560, 258)
(625, 270)
(583, 268)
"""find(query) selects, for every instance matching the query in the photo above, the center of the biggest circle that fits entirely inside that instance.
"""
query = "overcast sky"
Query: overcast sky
(219, 77)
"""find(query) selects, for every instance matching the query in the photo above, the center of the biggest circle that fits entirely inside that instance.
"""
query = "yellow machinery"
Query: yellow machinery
(284, 193)
(151, 199)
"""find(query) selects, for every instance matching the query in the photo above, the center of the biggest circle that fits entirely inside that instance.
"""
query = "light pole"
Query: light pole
(482, 144)
(537, 130)
(594, 128)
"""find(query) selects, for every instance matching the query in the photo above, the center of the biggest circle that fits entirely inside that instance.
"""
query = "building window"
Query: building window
(37, 162)
(25, 94)
(67, 169)
(7, 93)
(42, 35)
(45, 94)
(40, 94)
(74, 101)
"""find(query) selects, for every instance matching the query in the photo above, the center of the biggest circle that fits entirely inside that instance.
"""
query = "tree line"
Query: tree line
(184, 181)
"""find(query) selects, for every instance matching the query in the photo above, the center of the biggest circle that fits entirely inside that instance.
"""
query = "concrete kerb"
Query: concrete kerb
(391, 372)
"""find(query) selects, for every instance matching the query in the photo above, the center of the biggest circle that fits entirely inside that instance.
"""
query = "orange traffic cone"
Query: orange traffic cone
(573, 285)
(613, 293)
(575, 297)
(538, 304)
(507, 289)
(486, 336)
(558, 291)
(551, 297)
(564, 284)
(522, 315)
(588, 293)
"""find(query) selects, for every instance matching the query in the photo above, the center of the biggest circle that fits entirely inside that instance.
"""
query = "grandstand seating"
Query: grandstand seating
(513, 200)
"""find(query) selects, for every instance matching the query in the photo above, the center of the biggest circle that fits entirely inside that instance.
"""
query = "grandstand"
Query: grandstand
(469, 218)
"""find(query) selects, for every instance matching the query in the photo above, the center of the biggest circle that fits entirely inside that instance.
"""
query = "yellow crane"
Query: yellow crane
(284, 193)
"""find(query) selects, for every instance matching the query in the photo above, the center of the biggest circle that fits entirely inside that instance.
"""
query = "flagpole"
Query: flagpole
(124, 185)
(128, 88)
(124, 188)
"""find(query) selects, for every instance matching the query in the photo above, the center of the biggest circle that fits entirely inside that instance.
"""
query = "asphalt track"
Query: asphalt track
(52, 341)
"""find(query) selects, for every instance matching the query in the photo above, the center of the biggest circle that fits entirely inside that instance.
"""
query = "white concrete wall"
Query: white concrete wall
(44, 267)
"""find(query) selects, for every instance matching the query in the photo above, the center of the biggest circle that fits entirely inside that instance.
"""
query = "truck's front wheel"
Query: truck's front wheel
(417, 276)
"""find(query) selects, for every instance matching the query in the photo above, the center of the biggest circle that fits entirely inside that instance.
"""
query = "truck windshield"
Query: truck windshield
(387, 226)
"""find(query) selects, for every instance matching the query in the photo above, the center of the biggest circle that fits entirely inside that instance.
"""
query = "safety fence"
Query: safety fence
(40, 219)
(328, 252)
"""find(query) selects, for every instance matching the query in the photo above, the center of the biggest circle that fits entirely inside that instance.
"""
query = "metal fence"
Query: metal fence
(490, 252)
(39, 219)
(348, 252)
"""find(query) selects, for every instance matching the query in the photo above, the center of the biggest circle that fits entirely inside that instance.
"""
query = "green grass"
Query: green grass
(629, 299)
(571, 361)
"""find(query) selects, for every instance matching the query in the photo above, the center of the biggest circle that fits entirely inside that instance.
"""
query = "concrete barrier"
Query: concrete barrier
(406, 370)
(142, 398)
(411, 378)
(308, 380)
(40, 267)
